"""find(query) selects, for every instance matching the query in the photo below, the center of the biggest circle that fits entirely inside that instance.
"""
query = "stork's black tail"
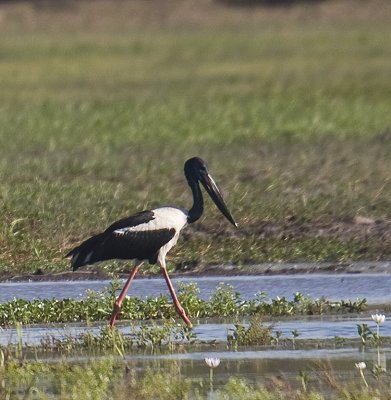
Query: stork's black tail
(86, 253)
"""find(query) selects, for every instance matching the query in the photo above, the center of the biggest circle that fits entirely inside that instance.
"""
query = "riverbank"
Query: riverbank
(362, 267)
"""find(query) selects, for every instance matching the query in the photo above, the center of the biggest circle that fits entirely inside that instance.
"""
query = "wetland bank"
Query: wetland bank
(289, 105)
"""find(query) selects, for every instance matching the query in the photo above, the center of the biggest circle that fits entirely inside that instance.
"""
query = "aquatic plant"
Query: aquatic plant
(361, 366)
(280, 306)
(159, 385)
(339, 341)
(166, 334)
(364, 332)
(379, 320)
(212, 363)
(225, 302)
(257, 333)
(115, 378)
(112, 339)
(378, 370)
(276, 339)
(190, 300)
(303, 377)
(295, 334)
(40, 380)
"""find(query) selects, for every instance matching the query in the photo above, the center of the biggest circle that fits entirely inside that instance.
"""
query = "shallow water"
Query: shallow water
(255, 364)
(266, 367)
(374, 287)
(210, 330)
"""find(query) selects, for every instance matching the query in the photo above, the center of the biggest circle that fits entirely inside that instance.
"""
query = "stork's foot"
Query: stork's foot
(189, 324)
(182, 313)
(116, 310)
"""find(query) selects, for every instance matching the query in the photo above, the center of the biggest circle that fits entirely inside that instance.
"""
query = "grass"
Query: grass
(293, 119)
(111, 378)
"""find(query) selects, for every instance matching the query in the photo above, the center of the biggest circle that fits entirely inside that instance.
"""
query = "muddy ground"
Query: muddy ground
(359, 228)
(221, 270)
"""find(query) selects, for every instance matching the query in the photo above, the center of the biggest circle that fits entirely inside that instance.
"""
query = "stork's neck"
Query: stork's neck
(197, 209)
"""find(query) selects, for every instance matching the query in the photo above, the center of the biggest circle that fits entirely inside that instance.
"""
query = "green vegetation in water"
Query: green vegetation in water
(367, 333)
(225, 302)
(112, 340)
(114, 379)
(257, 333)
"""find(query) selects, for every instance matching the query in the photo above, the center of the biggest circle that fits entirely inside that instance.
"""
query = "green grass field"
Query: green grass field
(292, 115)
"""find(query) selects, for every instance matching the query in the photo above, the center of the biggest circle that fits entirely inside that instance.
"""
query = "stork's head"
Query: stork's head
(197, 171)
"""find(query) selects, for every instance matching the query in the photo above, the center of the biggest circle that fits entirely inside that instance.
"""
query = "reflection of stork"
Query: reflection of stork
(149, 235)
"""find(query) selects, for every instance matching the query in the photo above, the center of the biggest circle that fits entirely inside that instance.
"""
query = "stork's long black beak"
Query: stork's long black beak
(210, 186)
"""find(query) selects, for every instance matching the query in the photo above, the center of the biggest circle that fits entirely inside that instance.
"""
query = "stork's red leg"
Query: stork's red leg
(178, 306)
(118, 302)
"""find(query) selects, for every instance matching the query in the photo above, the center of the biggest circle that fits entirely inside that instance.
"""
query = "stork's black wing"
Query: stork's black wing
(141, 245)
(141, 217)
(125, 245)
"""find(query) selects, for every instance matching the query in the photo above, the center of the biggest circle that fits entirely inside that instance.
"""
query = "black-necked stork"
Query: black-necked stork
(149, 235)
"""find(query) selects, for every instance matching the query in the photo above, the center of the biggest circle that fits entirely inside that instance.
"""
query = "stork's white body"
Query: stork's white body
(164, 218)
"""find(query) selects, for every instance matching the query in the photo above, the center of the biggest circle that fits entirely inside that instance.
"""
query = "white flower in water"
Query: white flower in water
(361, 365)
(378, 318)
(212, 362)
